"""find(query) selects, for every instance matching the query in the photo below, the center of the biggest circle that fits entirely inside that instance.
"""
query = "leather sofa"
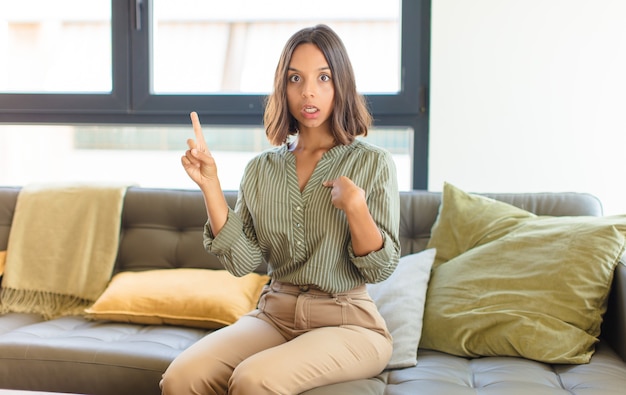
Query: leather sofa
(162, 228)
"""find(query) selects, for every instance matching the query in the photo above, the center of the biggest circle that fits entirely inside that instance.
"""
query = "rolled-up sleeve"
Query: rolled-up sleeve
(384, 204)
(236, 250)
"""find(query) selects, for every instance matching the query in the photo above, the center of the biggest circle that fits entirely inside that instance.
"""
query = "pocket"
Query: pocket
(261, 303)
(362, 311)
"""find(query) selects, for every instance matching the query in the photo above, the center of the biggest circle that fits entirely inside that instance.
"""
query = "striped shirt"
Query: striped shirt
(303, 238)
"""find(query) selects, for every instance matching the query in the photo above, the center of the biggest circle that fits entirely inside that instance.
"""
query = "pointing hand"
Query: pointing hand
(198, 161)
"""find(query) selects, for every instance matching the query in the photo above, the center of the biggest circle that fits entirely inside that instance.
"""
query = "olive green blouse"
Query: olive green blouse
(303, 238)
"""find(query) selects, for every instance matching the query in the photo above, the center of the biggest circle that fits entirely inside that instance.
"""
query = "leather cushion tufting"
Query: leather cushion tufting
(438, 373)
(120, 356)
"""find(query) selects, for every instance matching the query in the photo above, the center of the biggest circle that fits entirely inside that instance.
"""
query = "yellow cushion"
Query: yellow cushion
(198, 298)
(510, 283)
(3, 258)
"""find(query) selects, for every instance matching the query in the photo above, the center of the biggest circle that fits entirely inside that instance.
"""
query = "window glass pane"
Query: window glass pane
(148, 156)
(216, 46)
(61, 46)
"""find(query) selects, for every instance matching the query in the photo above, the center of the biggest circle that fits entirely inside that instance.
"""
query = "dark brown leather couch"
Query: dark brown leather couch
(162, 228)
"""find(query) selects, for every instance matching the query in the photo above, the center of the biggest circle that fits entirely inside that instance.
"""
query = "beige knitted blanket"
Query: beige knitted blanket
(62, 248)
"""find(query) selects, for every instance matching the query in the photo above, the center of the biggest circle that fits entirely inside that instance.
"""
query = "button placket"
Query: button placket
(298, 231)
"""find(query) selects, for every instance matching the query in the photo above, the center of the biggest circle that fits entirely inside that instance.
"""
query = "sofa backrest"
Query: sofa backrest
(170, 223)
(8, 198)
(419, 210)
(162, 228)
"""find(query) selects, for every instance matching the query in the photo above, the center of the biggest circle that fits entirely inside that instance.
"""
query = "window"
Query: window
(148, 156)
(233, 46)
(53, 48)
(136, 68)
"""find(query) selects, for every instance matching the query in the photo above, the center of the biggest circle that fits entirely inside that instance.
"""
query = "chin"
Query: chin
(312, 124)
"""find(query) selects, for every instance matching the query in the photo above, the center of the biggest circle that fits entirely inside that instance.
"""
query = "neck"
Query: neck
(312, 141)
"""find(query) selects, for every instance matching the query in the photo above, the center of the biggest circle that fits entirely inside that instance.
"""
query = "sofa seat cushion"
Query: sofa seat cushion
(116, 354)
(438, 373)
(12, 321)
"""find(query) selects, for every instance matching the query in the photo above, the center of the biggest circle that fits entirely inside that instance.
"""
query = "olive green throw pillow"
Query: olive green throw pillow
(509, 283)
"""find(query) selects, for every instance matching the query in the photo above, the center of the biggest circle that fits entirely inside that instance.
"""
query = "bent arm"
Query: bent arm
(235, 243)
(383, 205)
(364, 231)
(216, 205)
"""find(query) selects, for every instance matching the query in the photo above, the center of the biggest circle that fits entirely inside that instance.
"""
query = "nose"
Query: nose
(309, 89)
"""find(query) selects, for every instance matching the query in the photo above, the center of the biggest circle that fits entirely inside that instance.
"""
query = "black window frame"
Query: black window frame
(131, 102)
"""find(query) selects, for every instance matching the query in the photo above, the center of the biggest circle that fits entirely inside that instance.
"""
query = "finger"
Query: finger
(189, 158)
(191, 143)
(187, 164)
(197, 130)
(329, 183)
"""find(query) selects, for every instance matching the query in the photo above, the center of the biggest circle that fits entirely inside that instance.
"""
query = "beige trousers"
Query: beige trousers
(299, 338)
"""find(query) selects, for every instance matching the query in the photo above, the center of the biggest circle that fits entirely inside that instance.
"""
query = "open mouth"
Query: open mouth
(310, 109)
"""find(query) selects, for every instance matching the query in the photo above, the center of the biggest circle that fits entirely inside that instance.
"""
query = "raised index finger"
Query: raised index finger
(197, 130)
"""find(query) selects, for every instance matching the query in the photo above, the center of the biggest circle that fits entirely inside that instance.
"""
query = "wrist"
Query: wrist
(211, 186)
(357, 208)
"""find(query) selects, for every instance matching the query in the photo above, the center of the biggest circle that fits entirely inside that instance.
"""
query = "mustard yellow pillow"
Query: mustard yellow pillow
(199, 298)
(515, 284)
(3, 259)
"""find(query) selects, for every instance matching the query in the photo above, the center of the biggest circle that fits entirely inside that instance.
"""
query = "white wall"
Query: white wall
(529, 95)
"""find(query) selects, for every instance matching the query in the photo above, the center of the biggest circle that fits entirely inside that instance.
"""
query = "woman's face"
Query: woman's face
(310, 87)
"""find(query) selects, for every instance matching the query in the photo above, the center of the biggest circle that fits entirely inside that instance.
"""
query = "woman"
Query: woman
(322, 210)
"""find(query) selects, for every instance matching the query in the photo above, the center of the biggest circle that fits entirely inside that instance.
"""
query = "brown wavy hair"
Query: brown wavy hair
(350, 117)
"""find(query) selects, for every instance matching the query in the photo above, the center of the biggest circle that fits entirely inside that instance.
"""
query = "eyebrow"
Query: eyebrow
(320, 69)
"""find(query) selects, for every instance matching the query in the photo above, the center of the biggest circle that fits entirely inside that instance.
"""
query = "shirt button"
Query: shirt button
(299, 243)
(298, 225)
(298, 208)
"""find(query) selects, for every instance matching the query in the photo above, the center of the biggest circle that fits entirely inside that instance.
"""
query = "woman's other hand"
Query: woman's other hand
(345, 194)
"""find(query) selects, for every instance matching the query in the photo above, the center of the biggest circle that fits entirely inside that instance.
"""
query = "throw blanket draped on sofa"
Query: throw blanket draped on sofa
(42, 275)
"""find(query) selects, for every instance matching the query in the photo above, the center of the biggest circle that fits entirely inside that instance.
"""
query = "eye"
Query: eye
(294, 78)
(325, 77)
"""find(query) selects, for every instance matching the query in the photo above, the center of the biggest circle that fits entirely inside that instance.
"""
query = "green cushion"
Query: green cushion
(509, 283)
